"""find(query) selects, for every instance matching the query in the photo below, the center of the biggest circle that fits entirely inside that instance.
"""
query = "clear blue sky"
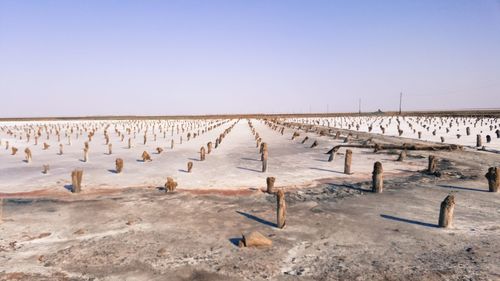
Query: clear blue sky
(60, 58)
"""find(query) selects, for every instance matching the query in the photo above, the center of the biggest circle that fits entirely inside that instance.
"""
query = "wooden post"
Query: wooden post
(170, 185)
(61, 149)
(76, 181)
(402, 155)
(85, 155)
(29, 157)
(264, 161)
(479, 141)
(190, 166)
(377, 178)
(202, 153)
(431, 169)
(110, 148)
(332, 156)
(172, 143)
(348, 161)
(146, 157)
(270, 184)
(446, 211)
(119, 165)
(209, 147)
(493, 177)
(281, 209)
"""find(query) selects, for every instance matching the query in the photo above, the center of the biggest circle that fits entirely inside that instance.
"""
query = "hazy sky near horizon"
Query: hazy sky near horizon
(74, 58)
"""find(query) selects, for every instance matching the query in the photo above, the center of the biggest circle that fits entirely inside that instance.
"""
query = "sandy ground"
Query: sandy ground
(336, 229)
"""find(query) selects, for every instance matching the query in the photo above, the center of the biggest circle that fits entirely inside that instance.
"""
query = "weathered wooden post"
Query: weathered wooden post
(61, 149)
(202, 153)
(110, 148)
(263, 146)
(45, 169)
(402, 155)
(270, 184)
(493, 177)
(189, 166)
(170, 185)
(209, 147)
(431, 168)
(348, 161)
(119, 165)
(146, 157)
(264, 161)
(172, 144)
(446, 211)
(85, 154)
(129, 143)
(76, 181)
(281, 209)
(29, 157)
(377, 178)
(479, 141)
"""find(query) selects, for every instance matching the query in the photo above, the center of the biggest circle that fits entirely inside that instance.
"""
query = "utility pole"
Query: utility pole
(400, 101)
(359, 106)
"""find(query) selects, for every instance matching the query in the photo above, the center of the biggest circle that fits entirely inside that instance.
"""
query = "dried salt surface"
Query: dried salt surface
(439, 124)
(235, 164)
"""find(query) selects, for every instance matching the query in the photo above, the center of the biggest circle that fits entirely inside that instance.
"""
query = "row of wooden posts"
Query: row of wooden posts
(447, 206)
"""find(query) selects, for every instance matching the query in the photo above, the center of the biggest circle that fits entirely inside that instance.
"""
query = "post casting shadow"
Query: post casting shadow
(409, 221)
(325, 170)
(257, 219)
(235, 241)
(250, 159)
(182, 170)
(248, 169)
(194, 159)
(113, 171)
(69, 187)
(461, 188)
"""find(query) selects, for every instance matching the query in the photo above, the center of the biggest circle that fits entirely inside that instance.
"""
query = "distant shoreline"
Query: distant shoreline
(449, 113)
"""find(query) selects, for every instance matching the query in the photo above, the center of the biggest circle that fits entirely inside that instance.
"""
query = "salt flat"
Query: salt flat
(234, 164)
(123, 227)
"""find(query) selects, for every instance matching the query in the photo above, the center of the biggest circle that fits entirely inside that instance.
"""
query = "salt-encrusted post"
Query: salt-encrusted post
(377, 178)
(431, 169)
(264, 161)
(119, 165)
(493, 177)
(446, 211)
(76, 181)
(190, 166)
(202, 153)
(348, 161)
(270, 184)
(281, 209)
